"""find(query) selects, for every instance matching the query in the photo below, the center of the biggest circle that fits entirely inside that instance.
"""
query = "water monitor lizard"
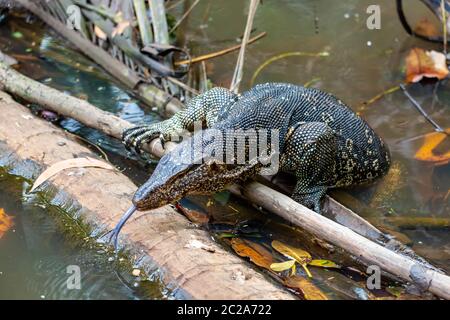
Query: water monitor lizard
(320, 140)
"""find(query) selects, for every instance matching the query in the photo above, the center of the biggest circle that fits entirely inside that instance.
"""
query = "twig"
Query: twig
(219, 53)
(365, 104)
(105, 156)
(444, 25)
(184, 16)
(173, 5)
(310, 82)
(205, 77)
(420, 109)
(285, 55)
(238, 71)
(183, 85)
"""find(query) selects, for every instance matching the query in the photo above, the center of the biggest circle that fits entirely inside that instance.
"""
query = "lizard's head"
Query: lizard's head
(191, 168)
(177, 175)
(187, 169)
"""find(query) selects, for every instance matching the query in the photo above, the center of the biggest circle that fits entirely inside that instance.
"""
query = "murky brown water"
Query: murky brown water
(361, 64)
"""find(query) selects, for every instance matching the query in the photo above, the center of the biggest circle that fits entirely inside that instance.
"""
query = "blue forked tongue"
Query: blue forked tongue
(121, 223)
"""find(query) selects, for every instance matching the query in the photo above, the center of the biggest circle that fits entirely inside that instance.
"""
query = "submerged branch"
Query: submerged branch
(421, 110)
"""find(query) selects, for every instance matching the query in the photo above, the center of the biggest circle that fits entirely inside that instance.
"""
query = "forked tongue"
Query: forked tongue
(120, 225)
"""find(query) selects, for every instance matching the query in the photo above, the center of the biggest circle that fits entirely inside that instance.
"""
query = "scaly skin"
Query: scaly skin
(321, 141)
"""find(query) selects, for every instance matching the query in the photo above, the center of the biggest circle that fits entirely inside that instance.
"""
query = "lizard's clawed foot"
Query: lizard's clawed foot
(135, 137)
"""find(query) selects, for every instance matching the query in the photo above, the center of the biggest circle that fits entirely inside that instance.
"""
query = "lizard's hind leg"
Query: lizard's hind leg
(310, 153)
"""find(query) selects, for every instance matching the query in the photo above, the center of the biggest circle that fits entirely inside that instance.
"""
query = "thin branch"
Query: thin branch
(238, 72)
(285, 55)
(221, 52)
(173, 5)
(188, 11)
(365, 104)
(420, 109)
(444, 25)
(183, 85)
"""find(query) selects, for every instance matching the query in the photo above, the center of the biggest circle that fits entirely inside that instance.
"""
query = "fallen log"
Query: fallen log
(367, 251)
(162, 242)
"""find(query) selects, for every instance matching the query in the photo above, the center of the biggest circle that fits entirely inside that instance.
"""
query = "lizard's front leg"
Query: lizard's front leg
(203, 108)
(135, 137)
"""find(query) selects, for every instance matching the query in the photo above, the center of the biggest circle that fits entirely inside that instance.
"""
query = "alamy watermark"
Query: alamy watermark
(374, 280)
(373, 22)
(73, 17)
(74, 280)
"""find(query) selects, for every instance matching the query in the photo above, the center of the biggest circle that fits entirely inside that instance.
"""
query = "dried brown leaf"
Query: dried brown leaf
(305, 287)
(430, 143)
(428, 64)
(254, 251)
(6, 222)
(67, 164)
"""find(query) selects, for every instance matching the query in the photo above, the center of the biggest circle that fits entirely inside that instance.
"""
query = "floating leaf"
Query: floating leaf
(430, 143)
(324, 264)
(100, 33)
(306, 288)
(256, 252)
(426, 28)
(395, 291)
(227, 235)
(282, 266)
(429, 64)
(299, 255)
(6, 222)
(67, 164)
(17, 35)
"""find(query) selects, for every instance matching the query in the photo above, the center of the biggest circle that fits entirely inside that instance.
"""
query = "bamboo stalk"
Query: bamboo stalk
(161, 34)
(444, 25)
(144, 26)
(149, 94)
(238, 72)
(107, 27)
(367, 251)
(159, 21)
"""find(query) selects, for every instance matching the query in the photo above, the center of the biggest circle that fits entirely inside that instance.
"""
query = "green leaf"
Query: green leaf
(301, 256)
(17, 35)
(324, 264)
(282, 266)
